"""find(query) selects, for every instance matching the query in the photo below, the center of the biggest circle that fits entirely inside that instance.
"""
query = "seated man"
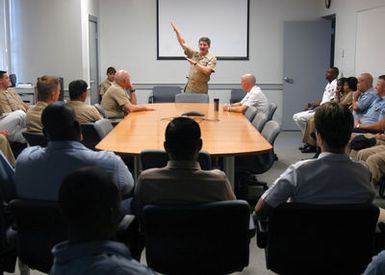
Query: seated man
(40, 171)
(344, 96)
(78, 94)
(106, 83)
(301, 118)
(9, 100)
(12, 110)
(374, 118)
(48, 91)
(254, 97)
(182, 181)
(89, 200)
(116, 102)
(332, 178)
(377, 265)
(364, 96)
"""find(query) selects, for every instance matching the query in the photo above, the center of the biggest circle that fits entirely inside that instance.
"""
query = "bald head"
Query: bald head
(365, 82)
(122, 77)
(248, 81)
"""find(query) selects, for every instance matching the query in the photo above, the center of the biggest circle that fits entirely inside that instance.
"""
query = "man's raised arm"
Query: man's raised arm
(180, 38)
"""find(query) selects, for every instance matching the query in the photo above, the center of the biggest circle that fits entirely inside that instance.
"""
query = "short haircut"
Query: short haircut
(87, 196)
(352, 82)
(111, 70)
(77, 88)
(59, 123)
(2, 73)
(45, 86)
(205, 39)
(182, 136)
(334, 122)
(382, 77)
(336, 71)
(341, 81)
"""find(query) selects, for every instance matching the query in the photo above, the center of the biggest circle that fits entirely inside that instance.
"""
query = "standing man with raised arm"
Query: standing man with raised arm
(202, 63)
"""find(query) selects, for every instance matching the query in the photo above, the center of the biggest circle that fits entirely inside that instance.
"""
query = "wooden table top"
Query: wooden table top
(223, 133)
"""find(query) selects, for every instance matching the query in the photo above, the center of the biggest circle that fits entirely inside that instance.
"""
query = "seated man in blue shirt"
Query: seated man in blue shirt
(40, 171)
(373, 119)
(332, 178)
(89, 200)
(364, 96)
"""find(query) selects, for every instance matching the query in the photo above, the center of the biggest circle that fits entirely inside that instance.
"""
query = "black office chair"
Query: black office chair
(100, 110)
(94, 132)
(39, 226)
(237, 95)
(319, 239)
(250, 113)
(248, 167)
(158, 159)
(191, 98)
(34, 139)
(271, 110)
(7, 236)
(163, 94)
(12, 78)
(210, 238)
(259, 121)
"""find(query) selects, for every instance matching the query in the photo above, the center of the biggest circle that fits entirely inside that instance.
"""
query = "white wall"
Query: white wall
(128, 40)
(346, 29)
(46, 39)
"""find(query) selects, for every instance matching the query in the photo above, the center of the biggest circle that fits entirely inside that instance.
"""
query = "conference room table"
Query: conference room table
(224, 134)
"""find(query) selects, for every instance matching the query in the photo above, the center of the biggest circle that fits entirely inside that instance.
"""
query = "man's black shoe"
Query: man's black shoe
(303, 147)
(309, 149)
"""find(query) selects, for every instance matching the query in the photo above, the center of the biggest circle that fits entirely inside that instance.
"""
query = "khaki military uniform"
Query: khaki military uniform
(84, 113)
(34, 117)
(346, 100)
(6, 149)
(114, 100)
(375, 158)
(197, 81)
(104, 85)
(10, 101)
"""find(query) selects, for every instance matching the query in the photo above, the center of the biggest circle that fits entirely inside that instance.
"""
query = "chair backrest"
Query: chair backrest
(163, 94)
(40, 225)
(250, 113)
(191, 98)
(207, 238)
(259, 121)
(100, 110)
(271, 131)
(271, 110)
(34, 138)
(158, 159)
(12, 78)
(329, 239)
(237, 95)
(93, 133)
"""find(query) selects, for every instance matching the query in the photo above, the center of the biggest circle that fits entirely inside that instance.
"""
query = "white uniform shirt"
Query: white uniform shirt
(329, 179)
(257, 99)
(330, 91)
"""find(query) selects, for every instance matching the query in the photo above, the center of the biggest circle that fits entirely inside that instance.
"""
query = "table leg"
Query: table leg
(228, 168)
